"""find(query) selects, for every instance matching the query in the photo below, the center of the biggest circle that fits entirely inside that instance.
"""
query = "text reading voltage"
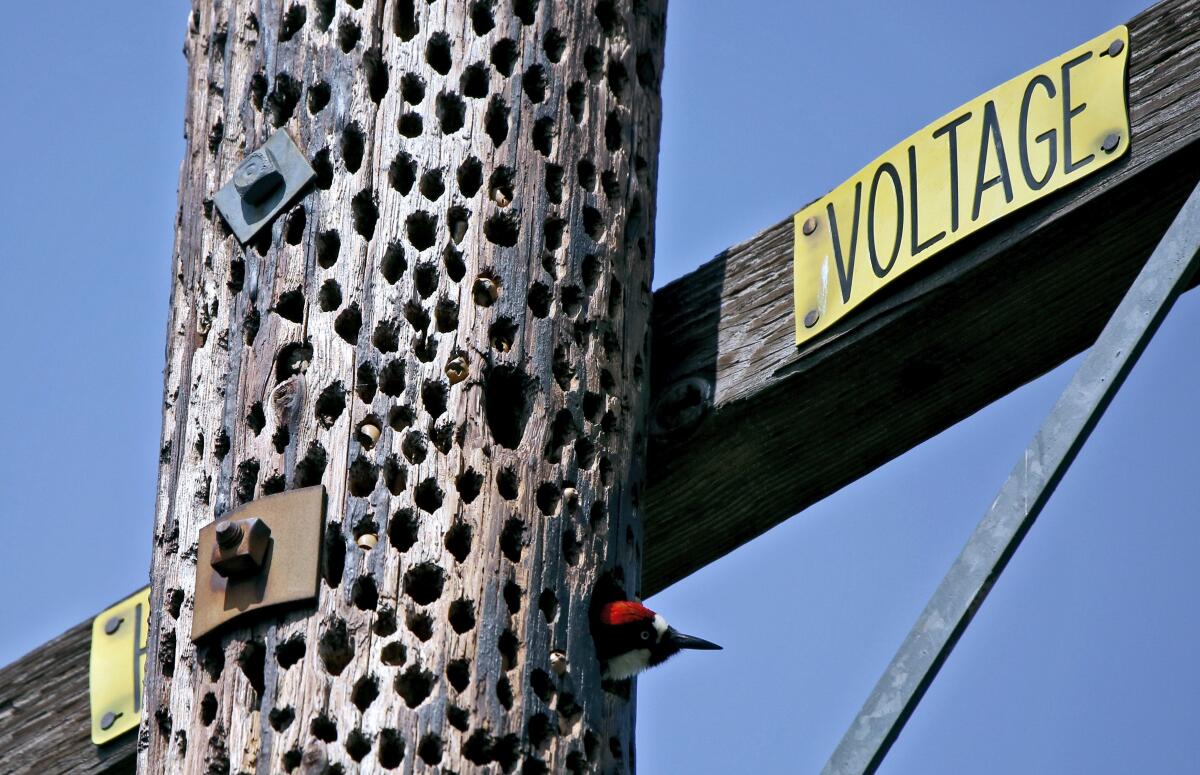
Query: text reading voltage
(1003, 150)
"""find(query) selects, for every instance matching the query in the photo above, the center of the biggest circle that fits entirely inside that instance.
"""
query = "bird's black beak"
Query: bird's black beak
(681, 641)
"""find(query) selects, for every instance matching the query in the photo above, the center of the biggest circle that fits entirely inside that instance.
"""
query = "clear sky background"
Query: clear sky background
(1081, 661)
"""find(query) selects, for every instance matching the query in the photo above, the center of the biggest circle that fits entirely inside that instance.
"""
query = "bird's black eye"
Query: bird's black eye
(645, 635)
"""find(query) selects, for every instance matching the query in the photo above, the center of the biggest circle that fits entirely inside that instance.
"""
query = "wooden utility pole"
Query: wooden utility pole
(449, 332)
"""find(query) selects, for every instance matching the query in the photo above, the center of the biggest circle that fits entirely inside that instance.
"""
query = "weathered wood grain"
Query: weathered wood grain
(45, 718)
(789, 427)
(482, 451)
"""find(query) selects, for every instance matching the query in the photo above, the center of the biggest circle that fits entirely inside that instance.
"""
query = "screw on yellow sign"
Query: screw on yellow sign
(120, 636)
(1003, 150)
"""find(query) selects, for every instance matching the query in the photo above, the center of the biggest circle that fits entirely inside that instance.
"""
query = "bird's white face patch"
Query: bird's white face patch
(660, 626)
(628, 665)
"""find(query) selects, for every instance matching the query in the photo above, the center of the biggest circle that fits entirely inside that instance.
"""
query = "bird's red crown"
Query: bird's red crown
(624, 612)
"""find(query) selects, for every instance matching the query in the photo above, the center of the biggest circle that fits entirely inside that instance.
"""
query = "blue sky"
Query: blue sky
(1082, 659)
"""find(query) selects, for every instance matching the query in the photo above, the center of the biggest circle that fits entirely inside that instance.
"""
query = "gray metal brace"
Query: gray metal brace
(1022, 497)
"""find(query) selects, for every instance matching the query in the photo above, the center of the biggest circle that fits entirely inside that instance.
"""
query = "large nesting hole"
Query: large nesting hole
(481, 17)
(402, 529)
(281, 718)
(458, 219)
(504, 56)
(470, 177)
(353, 144)
(412, 88)
(364, 212)
(323, 728)
(502, 229)
(445, 314)
(458, 541)
(376, 71)
(395, 475)
(393, 654)
(548, 604)
(435, 395)
(437, 53)
(504, 692)
(318, 97)
(290, 651)
(348, 323)
(420, 624)
(292, 359)
(458, 673)
(323, 168)
(571, 547)
(512, 539)
(612, 131)
(542, 685)
(414, 685)
(282, 101)
(539, 299)
(256, 418)
(552, 232)
(402, 173)
(393, 264)
(247, 479)
(362, 477)
(500, 185)
(508, 646)
(508, 401)
(543, 135)
(293, 22)
(495, 121)
(258, 89)
(349, 33)
(425, 279)
(358, 745)
(554, 43)
(432, 186)
(333, 552)
(391, 746)
(577, 100)
(474, 81)
(414, 447)
(462, 616)
(571, 300)
(442, 436)
(537, 729)
(430, 748)
(468, 483)
(293, 230)
(311, 467)
(208, 708)
(251, 660)
(548, 496)
(451, 112)
(452, 259)
(330, 404)
(428, 495)
(554, 183)
(512, 596)
(501, 333)
(329, 297)
(325, 13)
(416, 315)
(525, 10)
(534, 83)
(411, 124)
(335, 649)
(424, 583)
(365, 691)
(618, 80)
(421, 228)
(329, 246)
(391, 379)
(593, 223)
(406, 26)
(401, 417)
(386, 336)
(508, 484)
(589, 271)
(291, 305)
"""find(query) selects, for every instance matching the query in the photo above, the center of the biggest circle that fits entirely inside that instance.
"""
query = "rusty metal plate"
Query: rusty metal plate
(1023, 140)
(290, 570)
(117, 666)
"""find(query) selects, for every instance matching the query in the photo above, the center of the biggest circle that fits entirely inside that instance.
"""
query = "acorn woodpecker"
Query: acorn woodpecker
(630, 638)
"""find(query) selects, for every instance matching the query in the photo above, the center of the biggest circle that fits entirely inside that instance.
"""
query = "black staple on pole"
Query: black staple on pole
(1022, 497)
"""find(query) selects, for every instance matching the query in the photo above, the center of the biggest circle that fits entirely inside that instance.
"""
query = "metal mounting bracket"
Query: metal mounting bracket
(265, 553)
(262, 185)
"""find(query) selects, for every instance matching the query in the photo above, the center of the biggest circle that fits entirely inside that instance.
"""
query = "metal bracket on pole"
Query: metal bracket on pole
(1022, 497)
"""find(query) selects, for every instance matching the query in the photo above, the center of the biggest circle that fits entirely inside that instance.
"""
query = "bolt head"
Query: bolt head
(246, 556)
(811, 318)
(810, 225)
(1116, 47)
(112, 625)
(1111, 142)
(257, 177)
(229, 534)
